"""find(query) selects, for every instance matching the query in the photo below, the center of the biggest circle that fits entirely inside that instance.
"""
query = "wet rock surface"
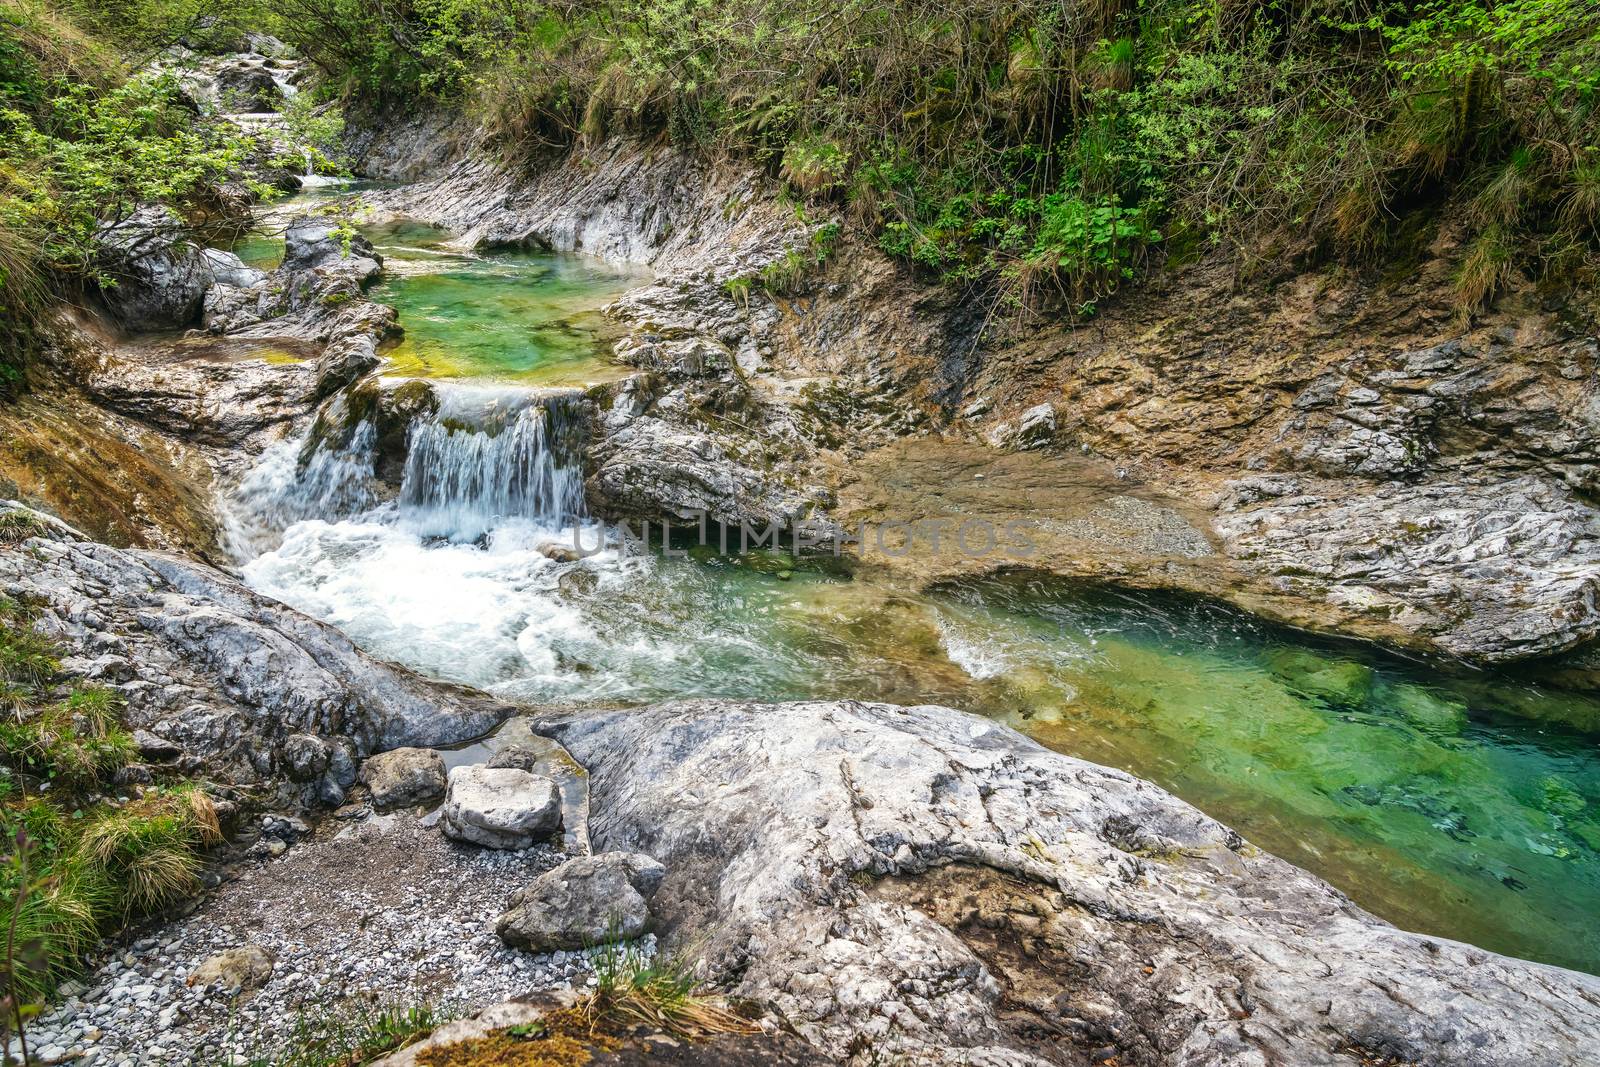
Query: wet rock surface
(249, 688)
(918, 882)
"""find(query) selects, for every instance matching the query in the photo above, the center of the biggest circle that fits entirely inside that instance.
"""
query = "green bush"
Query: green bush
(1043, 145)
(81, 143)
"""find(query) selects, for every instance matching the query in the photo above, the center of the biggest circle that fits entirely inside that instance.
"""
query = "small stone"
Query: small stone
(403, 777)
(237, 969)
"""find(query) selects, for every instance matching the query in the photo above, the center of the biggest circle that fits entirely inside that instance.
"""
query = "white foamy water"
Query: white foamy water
(450, 579)
(457, 611)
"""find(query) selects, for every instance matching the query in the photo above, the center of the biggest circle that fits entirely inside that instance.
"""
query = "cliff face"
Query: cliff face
(1352, 455)
(1405, 475)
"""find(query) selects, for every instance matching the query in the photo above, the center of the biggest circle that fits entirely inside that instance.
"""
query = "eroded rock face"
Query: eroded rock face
(250, 689)
(161, 275)
(403, 777)
(819, 855)
(583, 902)
(500, 807)
(1493, 571)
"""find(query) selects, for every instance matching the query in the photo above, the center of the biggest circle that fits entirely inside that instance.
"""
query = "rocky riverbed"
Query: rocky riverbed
(370, 911)
(874, 882)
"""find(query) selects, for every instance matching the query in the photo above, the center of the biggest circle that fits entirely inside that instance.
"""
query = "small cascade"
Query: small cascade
(463, 478)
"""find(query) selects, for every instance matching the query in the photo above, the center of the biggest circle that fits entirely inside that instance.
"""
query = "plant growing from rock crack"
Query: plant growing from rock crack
(91, 862)
(658, 991)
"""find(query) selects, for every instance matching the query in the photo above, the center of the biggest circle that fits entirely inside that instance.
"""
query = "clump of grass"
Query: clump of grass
(76, 743)
(93, 862)
(27, 659)
(148, 849)
(347, 1036)
(18, 524)
(658, 992)
(1489, 264)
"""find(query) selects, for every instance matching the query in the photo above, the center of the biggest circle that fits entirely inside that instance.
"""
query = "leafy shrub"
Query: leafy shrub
(80, 145)
(1046, 145)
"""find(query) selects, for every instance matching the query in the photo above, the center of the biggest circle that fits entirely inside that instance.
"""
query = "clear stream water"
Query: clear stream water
(527, 317)
(1465, 805)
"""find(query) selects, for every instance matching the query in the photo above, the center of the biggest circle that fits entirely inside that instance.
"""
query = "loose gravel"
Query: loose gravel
(380, 909)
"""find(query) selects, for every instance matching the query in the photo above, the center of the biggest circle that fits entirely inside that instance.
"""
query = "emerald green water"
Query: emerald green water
(509, 316)
(1464, 806)
(1460, 804)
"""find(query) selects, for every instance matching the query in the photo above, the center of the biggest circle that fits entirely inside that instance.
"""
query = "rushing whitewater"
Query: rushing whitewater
(463, 480)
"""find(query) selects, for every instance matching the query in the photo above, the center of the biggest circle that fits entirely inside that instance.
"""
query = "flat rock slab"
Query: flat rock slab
(515, 744)
(937, 888)
(500, 807)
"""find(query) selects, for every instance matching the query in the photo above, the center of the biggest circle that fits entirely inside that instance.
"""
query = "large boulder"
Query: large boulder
(583, 902)
(157, 276)
(226, 268)
(937, 888)
(403, 777)
(252, 689)
(500, 807)
(316, 241)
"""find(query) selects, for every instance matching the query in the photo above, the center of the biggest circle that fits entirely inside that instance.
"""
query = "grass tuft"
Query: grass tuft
(149, 847)
(657, 991)
(90, 863)
(1489, 264)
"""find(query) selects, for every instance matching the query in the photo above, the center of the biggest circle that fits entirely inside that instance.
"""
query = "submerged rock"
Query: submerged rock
(941, 889)
(1339, 681)
(500, 807)
(404, 776)
(584, 902)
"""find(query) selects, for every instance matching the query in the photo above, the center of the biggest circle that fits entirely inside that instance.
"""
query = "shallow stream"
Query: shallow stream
(1462, 804)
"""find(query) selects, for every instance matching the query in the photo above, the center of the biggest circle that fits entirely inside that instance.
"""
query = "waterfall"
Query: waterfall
(289, 485)
(461, 480)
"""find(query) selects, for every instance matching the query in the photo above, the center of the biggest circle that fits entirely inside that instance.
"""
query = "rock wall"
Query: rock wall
(920, 885)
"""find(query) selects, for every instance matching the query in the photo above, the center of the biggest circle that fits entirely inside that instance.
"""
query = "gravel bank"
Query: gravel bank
(381, 908)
